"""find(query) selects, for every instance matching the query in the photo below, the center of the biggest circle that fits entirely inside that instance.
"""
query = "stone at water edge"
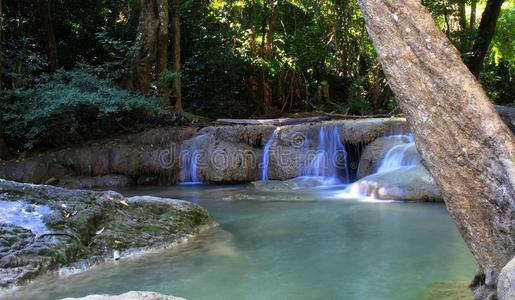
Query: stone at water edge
(506, 282)
(402, 184)
(83, 228)
(129, 296)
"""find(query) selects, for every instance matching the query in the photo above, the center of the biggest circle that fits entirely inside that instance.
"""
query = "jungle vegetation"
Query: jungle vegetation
(77, 70)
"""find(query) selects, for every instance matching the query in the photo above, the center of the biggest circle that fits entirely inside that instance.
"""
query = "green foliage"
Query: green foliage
(503, 43)
(246, 49)
(240, 58)
(498, 75)
(21, 57)
(70, 106)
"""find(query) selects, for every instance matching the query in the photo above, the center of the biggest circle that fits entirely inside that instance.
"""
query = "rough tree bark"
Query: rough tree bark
(463, 142)
(141, 59)
(485, 34)
(47, 30)
(162, 51)
(176, 12)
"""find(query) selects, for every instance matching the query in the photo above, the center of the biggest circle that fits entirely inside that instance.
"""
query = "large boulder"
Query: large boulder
(44, 228)
(506, 282)
(129, 296)
(218, 160)
(507, 114)
(413, 183)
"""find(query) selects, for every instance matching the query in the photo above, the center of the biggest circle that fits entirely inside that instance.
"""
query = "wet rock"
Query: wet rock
(297, 183)
(506, 282)
(147, 180)
(414, 183)
(133, 155)
(84, 182)
(129, 296)
(270, 185)
(52, 181)
(235, 153)
(86, 227)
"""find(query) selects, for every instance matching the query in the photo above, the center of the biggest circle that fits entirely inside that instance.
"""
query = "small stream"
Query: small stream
(321, 248)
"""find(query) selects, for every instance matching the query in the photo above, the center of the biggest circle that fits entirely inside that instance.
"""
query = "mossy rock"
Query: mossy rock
(87, 226)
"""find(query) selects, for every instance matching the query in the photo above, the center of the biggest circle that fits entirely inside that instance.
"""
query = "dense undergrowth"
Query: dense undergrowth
(73, 106)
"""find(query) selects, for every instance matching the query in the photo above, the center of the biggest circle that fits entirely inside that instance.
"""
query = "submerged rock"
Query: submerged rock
(82, 228)
(449, 290)
(298, 183)
(414, 183)
(129, 296)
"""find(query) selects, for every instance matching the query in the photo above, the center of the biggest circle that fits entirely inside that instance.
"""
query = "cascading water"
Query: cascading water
(266, 155)
(330, 159)
(398, 156)
(189, 161)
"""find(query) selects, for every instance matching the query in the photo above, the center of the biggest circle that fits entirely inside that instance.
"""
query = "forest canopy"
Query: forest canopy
(74, 70)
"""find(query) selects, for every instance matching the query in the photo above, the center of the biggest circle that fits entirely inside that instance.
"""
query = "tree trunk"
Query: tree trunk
(473, 9)
(49, 35)
(463, 142)
(485, 32)
(463, 25)
(177, 54)
(138, 75)
(162, 52)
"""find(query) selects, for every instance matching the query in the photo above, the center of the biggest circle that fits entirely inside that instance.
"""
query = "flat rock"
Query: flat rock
(81, 227)
(129, 296)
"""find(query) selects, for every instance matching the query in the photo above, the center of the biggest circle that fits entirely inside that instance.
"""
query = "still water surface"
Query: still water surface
(321, 248)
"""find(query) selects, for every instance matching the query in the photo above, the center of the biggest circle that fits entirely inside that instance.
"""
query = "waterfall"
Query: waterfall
(189, 161)
(266, 154)
(398, 156)
(330, 158)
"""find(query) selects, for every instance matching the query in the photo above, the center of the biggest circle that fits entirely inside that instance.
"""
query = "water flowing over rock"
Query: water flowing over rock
(43, 228)
(330, 159)
(393, 172)
(189, 159)
(376, 151)
(240, 153)
(407, 184)
(266, 155)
